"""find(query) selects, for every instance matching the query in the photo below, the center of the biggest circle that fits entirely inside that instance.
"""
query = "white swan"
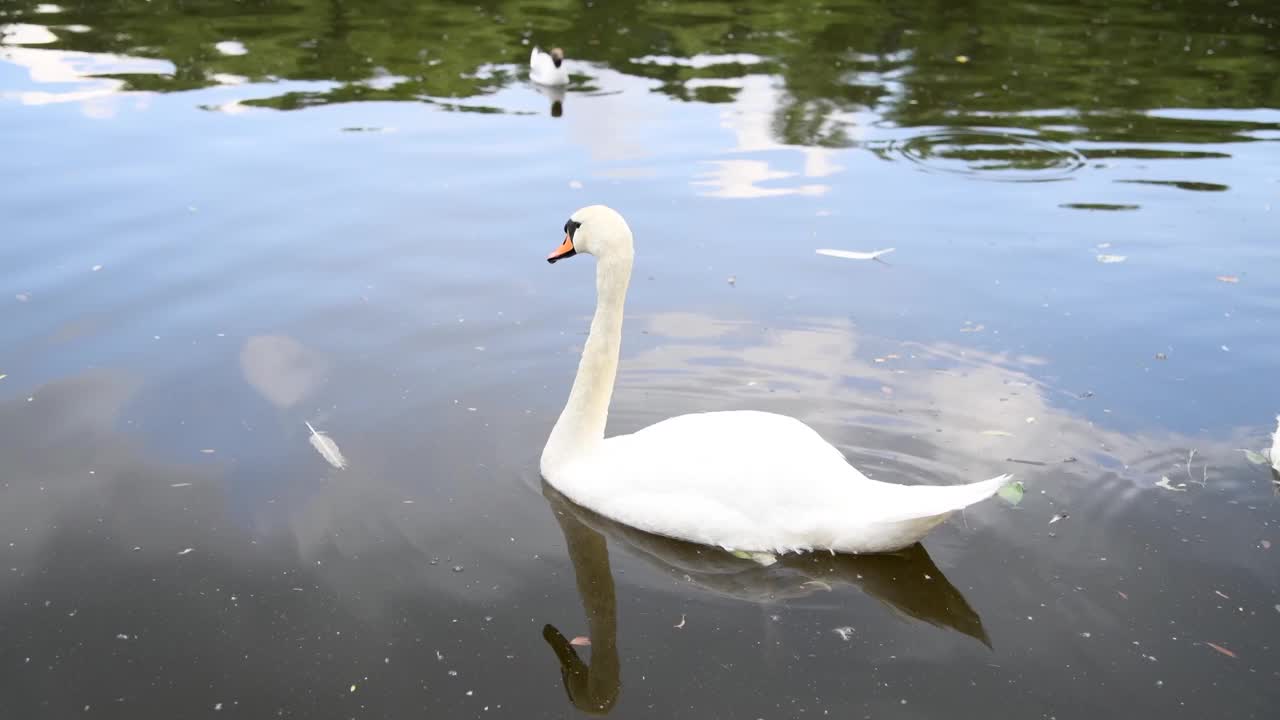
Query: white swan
(548, 68)
(1275, 449)
(743, 480)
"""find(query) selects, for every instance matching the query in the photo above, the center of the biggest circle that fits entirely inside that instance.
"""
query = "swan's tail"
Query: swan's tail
(917, 509)
(930, 500)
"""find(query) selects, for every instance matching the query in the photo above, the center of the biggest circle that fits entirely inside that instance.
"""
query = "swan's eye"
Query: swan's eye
(571, 227)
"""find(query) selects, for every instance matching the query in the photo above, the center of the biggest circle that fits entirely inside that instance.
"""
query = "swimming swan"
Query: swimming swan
(1275, 447)
(742, 480)
(548, 68)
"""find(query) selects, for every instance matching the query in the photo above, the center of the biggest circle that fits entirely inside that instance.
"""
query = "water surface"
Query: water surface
(225, 220)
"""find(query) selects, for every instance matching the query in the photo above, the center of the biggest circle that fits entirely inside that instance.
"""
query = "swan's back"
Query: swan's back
(752, 481)
(543, 69)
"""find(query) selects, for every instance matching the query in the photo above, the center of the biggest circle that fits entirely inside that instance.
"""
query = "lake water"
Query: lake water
(225, 220)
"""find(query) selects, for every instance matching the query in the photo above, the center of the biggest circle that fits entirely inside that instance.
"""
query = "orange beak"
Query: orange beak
(565, 250)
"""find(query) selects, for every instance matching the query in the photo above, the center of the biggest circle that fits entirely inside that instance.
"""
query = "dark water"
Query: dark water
(223, 220)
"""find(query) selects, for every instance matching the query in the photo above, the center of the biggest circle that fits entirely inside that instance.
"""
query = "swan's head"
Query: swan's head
(557, 56)
(595, 230)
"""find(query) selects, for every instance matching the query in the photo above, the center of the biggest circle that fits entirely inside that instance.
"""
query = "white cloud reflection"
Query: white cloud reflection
(63, 76)
(750, 118)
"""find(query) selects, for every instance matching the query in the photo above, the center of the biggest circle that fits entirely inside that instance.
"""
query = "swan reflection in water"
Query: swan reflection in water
(907, 581)
(555, 95)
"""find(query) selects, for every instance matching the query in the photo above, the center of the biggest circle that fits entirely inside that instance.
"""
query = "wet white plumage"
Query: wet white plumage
(544, 71)
(745, 480)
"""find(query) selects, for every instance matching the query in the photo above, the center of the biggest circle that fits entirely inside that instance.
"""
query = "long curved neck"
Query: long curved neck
(581, 424)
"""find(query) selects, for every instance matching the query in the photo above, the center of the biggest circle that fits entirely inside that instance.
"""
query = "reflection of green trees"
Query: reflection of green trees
(1091, 63)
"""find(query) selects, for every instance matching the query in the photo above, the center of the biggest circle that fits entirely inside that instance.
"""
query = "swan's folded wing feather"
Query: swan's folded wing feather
(755, 481)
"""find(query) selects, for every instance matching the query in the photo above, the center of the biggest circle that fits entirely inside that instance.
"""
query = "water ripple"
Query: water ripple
(982, 154)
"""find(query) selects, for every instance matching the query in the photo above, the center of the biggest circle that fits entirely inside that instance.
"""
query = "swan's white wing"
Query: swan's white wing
(543, 70)
(541, 66)
(753, 481)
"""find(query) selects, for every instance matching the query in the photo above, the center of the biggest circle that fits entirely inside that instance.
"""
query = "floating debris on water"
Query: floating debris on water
(1222, 650)
(185, 551)
(763, 558)
(581, 641)
(680, 625)
(1012, 493)
(855, 254)
(1057, 517)
(1112, 259)
(845, 632)
(1256, 458)
(327, 448)
(1164, 483)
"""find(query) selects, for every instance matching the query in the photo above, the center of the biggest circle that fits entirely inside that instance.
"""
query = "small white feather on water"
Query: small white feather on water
(854, 254)
(327, 448)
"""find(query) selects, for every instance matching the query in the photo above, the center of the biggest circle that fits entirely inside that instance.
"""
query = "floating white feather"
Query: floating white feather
(327, 448)
(854, 254)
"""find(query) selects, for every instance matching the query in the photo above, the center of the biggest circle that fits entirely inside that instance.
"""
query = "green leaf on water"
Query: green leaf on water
(1256, 458)
(1012, 493)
